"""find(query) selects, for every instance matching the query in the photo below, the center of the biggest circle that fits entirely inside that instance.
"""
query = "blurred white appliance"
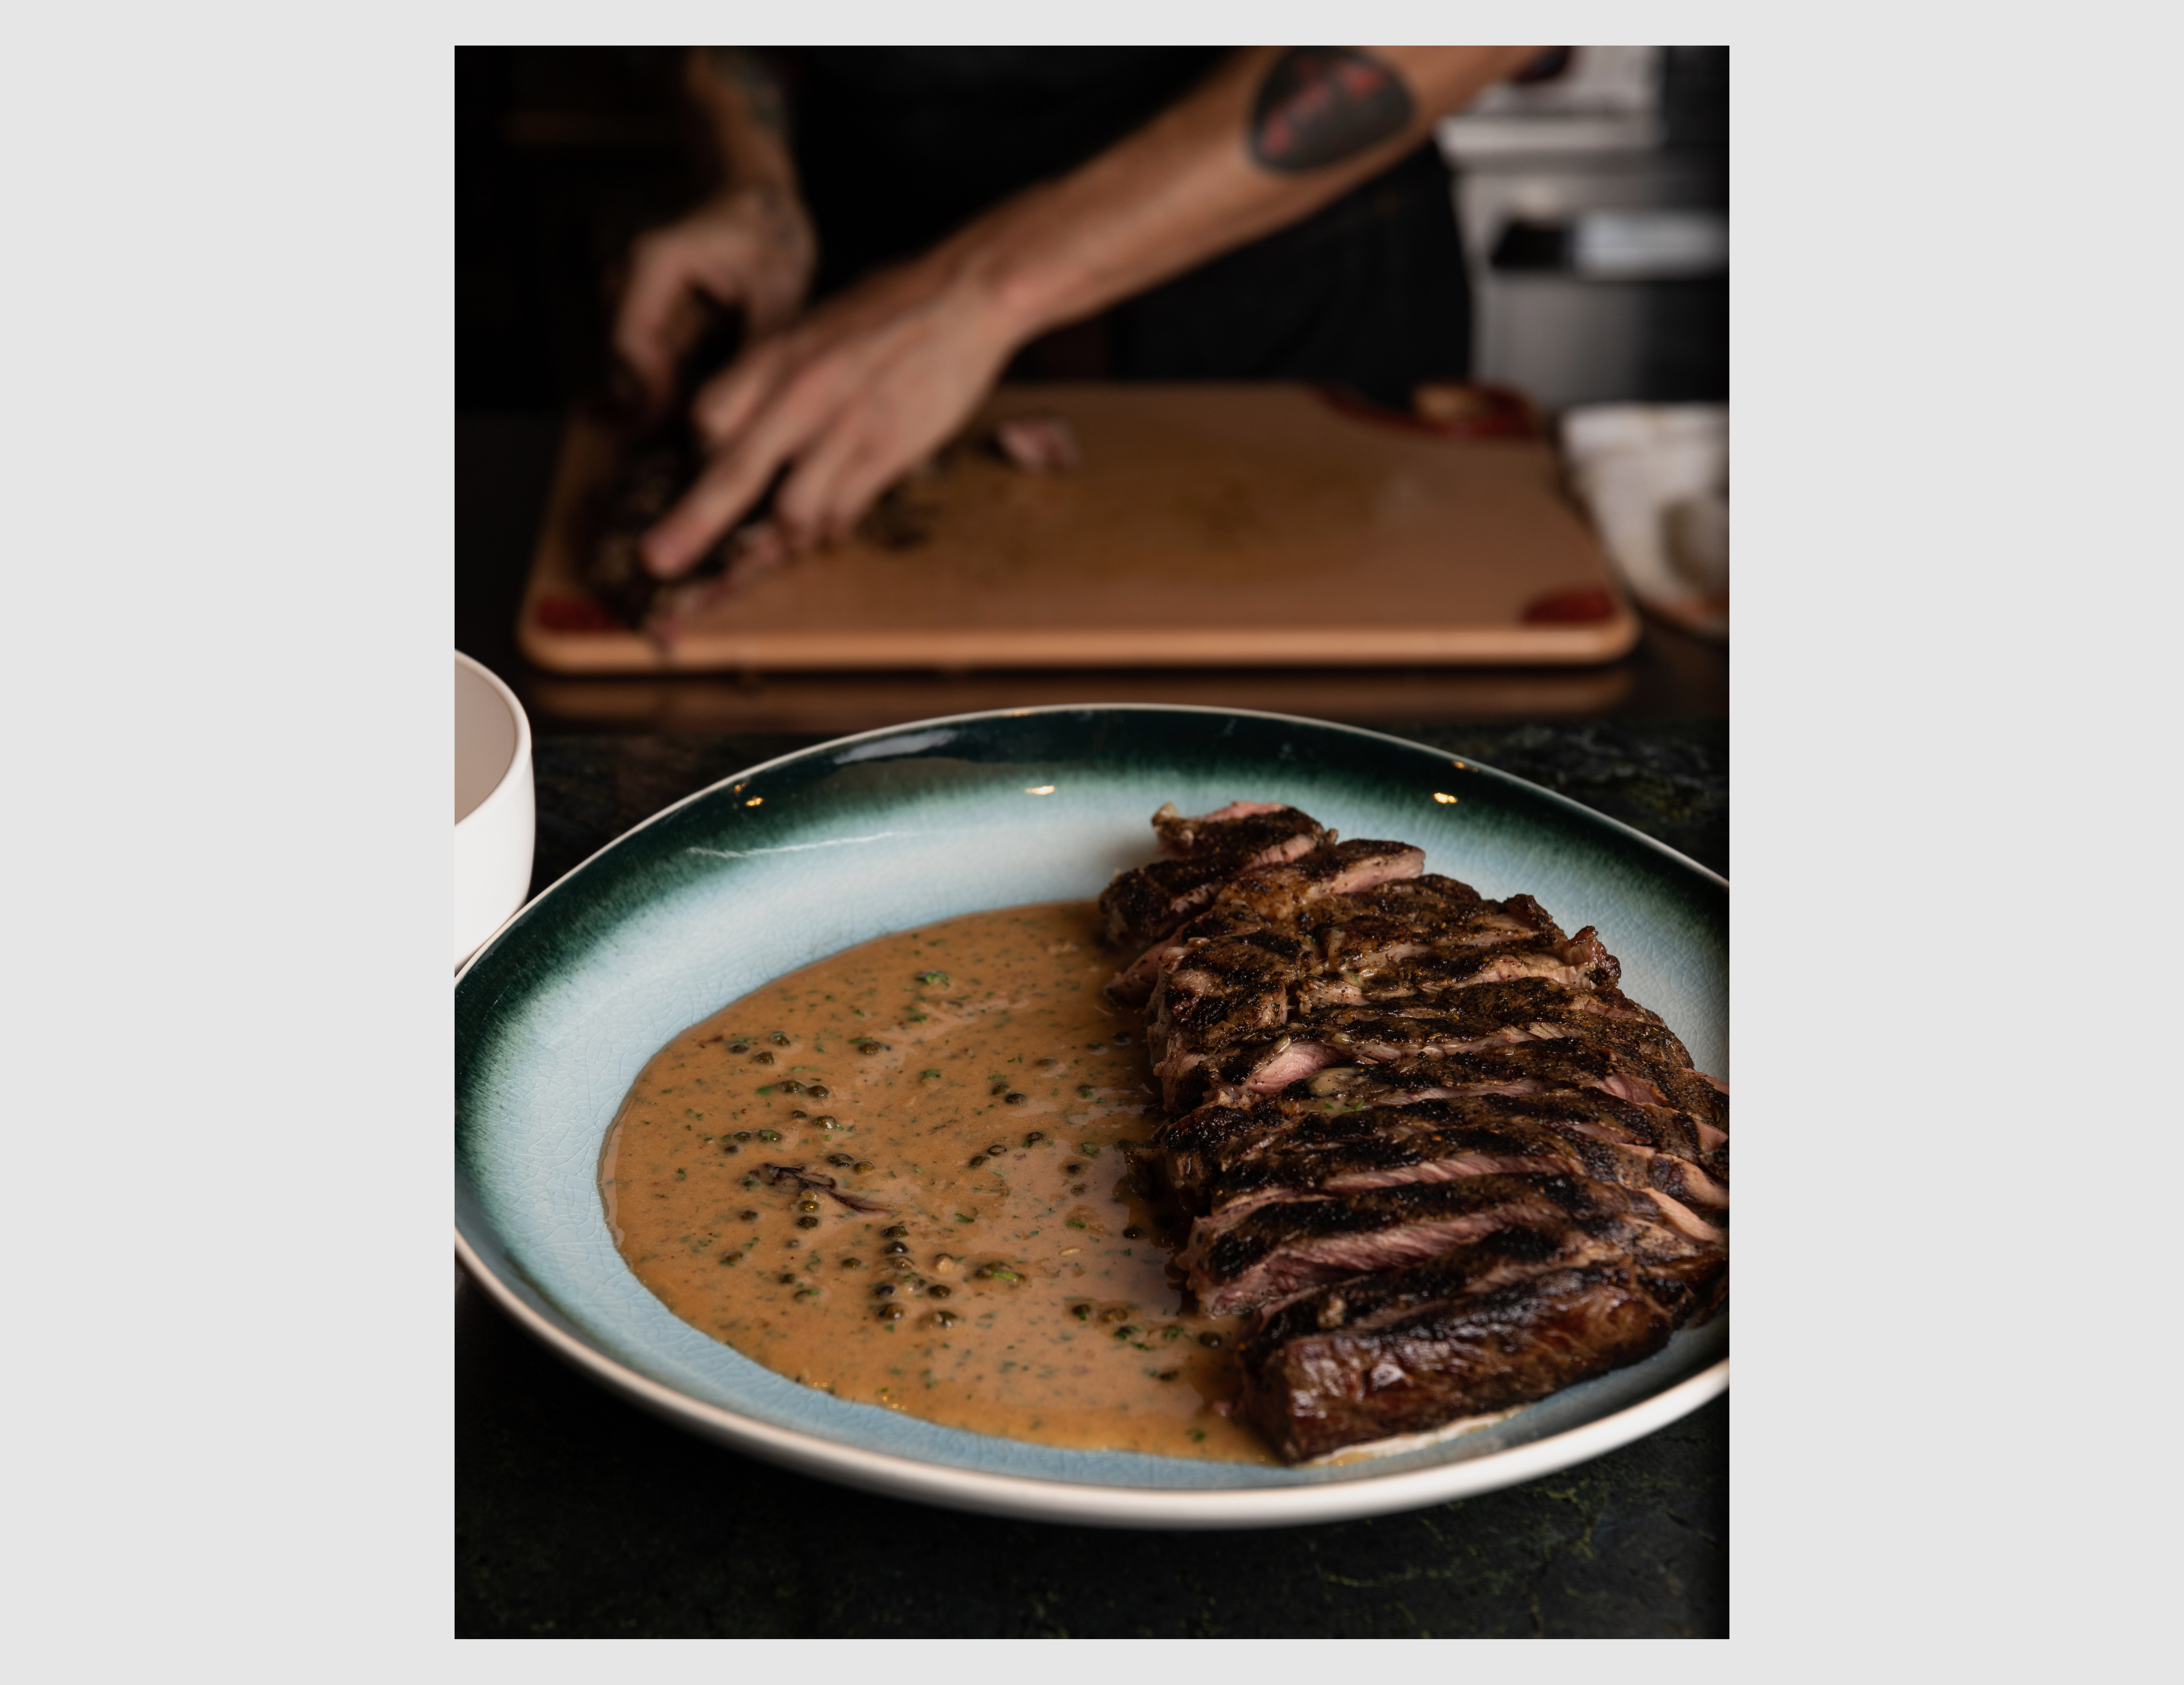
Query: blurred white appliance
(1598, 245)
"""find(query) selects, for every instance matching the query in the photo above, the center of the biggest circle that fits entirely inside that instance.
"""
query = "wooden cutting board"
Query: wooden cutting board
(1228, 525)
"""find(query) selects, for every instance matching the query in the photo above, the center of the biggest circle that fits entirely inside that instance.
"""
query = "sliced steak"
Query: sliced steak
(1424, 1134)
(1505, 1320)
(1579, 962)
(1206, 854)
(1274, 1250)
(1266, 895)
(1576, 1132)
(1469, 1020)
(1688, 1112)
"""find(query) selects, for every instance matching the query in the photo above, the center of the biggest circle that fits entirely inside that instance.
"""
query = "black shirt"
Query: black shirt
(898, 147)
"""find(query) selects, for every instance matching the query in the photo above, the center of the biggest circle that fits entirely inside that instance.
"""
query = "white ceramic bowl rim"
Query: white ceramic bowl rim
(499, 796)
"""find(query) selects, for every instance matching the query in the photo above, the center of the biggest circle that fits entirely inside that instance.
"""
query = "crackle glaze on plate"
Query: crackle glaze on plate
(805, 856)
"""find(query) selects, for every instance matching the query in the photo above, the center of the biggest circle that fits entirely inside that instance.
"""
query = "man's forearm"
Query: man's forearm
(742, 102)
(1271, 137)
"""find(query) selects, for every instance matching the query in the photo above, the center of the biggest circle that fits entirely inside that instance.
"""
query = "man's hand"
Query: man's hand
(855, 396)
(864, 388)
(750, 248)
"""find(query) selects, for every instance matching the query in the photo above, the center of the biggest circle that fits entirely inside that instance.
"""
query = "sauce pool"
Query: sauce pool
(900, 1175)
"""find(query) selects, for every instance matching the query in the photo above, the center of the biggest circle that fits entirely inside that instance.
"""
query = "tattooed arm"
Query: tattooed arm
(751, 246)
(865, 386)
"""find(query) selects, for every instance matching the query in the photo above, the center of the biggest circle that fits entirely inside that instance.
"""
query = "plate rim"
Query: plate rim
(1027, 1497)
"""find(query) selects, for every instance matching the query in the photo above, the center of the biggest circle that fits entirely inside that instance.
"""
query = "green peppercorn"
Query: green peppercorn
(780, 1039)
(818, 1091)
(761, 1057)
(769, 1135)
(1133, 1233)
(977, 1162)
(998, 1150)
(788, 1280)
(739, 1047)
(748, 1216)
(1014, 1099)
(894, 1231)
(863, 1166)
(939, 1290)
(890, 1313)
(731, 1147)
(852, 1263)
(944, 1319)
(1082, 1313)
(884, 1290)
(894, 1247)
(807, 1222)
(1209, 1339)
(825, 1120)
(837, 1159)
(1033, 1139)
(1126, 1330)
(732, 1257)
(1071, 1169)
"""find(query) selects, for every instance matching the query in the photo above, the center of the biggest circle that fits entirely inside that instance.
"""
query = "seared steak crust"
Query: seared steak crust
(1423, 1137)
(1206, 852)
(1269, 1251)
(1501, 1322)
(1299, 1151)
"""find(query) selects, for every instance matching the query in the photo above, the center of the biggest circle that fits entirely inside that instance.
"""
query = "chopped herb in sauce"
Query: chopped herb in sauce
(914, 1136)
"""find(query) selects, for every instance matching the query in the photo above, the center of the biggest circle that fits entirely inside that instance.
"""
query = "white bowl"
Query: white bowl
(496, 811)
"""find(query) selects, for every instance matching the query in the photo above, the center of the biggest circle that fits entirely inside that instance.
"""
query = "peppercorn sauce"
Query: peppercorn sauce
(808, 1175)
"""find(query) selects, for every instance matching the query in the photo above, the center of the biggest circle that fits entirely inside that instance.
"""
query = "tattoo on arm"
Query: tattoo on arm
(1319, 105)
(741, 68)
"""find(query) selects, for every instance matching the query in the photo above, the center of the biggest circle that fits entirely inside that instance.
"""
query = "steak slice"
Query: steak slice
(1486, 1015)
(1507, 1320)
(1688, 1109)
(1579, 962)
(1204, 854)
(1300, 1153)
(1274, 1250)
(1268, 896)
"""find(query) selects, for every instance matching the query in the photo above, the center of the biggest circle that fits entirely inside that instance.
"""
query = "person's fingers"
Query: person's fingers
(730, 484)
(640, 329)
(737, 473)
(862, 480)
(770, 304)
(835, 480)
(725, 404)
(657, 314)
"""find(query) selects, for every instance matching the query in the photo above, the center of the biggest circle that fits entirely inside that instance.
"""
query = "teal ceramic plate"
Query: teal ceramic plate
(805, 856)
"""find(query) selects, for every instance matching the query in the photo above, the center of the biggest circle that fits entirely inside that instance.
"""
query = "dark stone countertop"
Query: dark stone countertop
(577, 1515)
